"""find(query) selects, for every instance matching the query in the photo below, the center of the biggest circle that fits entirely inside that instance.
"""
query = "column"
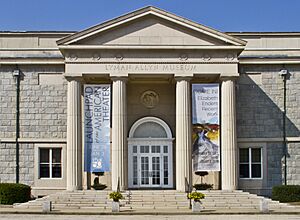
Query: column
(74, 148)
(119, 134)
(183, 135)
(228, 135)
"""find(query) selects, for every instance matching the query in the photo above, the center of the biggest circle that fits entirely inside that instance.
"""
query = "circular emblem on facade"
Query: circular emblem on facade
(183, 57)
(149, 99)
(119, 57)
(206, 57)
(96, 57)
(230, 57)
(72, 57)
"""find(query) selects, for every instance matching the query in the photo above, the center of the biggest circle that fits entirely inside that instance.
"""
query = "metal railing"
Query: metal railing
(129, 197)
(188, 190)
(118, 187)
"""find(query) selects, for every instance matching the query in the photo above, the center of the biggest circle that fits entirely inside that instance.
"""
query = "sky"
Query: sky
(223, 15)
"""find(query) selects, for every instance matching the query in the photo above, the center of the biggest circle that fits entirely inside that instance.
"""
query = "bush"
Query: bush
(99, 186)
(286, 193)
(203, 186)
(11, 193)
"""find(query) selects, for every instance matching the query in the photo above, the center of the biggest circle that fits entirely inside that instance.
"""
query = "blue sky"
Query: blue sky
(224, 15)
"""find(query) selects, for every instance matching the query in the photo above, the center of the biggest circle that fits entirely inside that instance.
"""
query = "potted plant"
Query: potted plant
(116, 196)
(196, 197)
(203, 186)
(97, 185)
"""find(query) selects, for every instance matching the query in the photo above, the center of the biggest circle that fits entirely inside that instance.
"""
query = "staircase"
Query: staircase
(154, 200)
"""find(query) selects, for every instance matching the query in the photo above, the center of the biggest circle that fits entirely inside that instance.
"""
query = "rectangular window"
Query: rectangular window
(50, 163)
(250, 163)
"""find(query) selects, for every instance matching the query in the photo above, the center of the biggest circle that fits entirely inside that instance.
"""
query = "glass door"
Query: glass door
(155, 172)
(145, 171)
(150, 165)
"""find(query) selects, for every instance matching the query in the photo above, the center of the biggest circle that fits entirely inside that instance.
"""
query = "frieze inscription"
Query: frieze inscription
(150, 67)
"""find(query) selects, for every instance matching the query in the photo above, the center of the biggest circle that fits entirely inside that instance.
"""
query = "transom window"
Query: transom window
(250, 163)
(50, 163)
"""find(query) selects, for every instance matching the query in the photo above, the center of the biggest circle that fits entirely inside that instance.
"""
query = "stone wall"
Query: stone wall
(43, 107)
(293, 164)
(259, 115)
(8, 163)
(260, 102)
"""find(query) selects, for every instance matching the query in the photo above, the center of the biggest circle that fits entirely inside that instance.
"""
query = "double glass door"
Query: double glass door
(150, 165)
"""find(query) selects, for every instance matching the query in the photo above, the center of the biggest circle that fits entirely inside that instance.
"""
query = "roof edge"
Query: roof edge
(222, 36)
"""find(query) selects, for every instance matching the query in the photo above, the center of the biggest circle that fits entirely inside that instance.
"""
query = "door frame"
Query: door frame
(135, 141)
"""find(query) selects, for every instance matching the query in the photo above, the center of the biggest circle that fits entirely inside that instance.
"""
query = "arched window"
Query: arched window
(150, 127)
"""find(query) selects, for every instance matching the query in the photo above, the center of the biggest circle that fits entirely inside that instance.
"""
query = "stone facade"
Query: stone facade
(42, 117)
(8, 163)
(42, 107)
(151, 53)
(259, 115)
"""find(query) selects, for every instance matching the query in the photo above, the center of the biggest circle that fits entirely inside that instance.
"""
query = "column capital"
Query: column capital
(78, 79)
(231, 77)
(119, 78)
(181, 78)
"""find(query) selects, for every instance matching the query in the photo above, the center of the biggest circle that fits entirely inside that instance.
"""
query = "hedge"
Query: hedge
(286, 193)
(203, 186)
(11, 193)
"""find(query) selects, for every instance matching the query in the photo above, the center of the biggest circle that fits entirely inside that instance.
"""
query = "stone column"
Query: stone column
(119, 134)
(183, 134)
(228, 135)
(74, 145)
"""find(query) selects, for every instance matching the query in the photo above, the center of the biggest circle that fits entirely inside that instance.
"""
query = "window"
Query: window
(251, 163)
(50, 163)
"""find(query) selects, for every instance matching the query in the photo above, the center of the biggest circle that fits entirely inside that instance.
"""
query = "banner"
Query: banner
(96, 128)
(206, 127)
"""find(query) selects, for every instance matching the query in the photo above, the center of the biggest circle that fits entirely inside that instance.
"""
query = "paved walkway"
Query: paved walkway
(124, 211)
(148, 217)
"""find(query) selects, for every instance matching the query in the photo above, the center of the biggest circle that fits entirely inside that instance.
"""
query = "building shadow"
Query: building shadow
(260, 115)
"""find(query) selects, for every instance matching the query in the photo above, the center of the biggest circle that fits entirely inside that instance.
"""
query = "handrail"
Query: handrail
(188, 190)
(129, 197)
(118, 187)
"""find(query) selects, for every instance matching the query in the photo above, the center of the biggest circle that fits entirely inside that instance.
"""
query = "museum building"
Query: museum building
(149, 100)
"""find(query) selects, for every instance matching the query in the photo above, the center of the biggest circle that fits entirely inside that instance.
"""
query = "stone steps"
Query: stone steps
(153, 200)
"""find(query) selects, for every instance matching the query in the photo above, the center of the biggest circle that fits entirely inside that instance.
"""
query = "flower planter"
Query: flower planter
(115, 206)
(196, 206)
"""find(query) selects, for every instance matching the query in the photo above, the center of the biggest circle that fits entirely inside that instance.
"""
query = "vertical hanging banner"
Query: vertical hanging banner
(97, 128)
(206, 127)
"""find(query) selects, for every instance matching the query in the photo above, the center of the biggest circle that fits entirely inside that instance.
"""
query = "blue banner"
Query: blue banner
(97, 128)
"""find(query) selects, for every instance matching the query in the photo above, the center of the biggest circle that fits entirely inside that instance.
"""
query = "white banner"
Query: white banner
(97, 128)
(206, 126)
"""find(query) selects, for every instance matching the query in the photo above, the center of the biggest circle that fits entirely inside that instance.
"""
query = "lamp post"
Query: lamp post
(284, 74)
(17, 76)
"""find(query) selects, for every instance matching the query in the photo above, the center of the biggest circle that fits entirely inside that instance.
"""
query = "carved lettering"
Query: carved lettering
(150, 67)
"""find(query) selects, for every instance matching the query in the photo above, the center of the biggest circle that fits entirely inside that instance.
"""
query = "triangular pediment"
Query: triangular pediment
(150, 26)
(151, 30)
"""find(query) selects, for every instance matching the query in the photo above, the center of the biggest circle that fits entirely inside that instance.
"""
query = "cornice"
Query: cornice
(147, 47)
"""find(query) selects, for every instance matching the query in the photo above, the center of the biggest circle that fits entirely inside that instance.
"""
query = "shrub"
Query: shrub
(97, 185)
(116, 196)
(196, 196)
(203, 186)
(286, 193)
(11, 193)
